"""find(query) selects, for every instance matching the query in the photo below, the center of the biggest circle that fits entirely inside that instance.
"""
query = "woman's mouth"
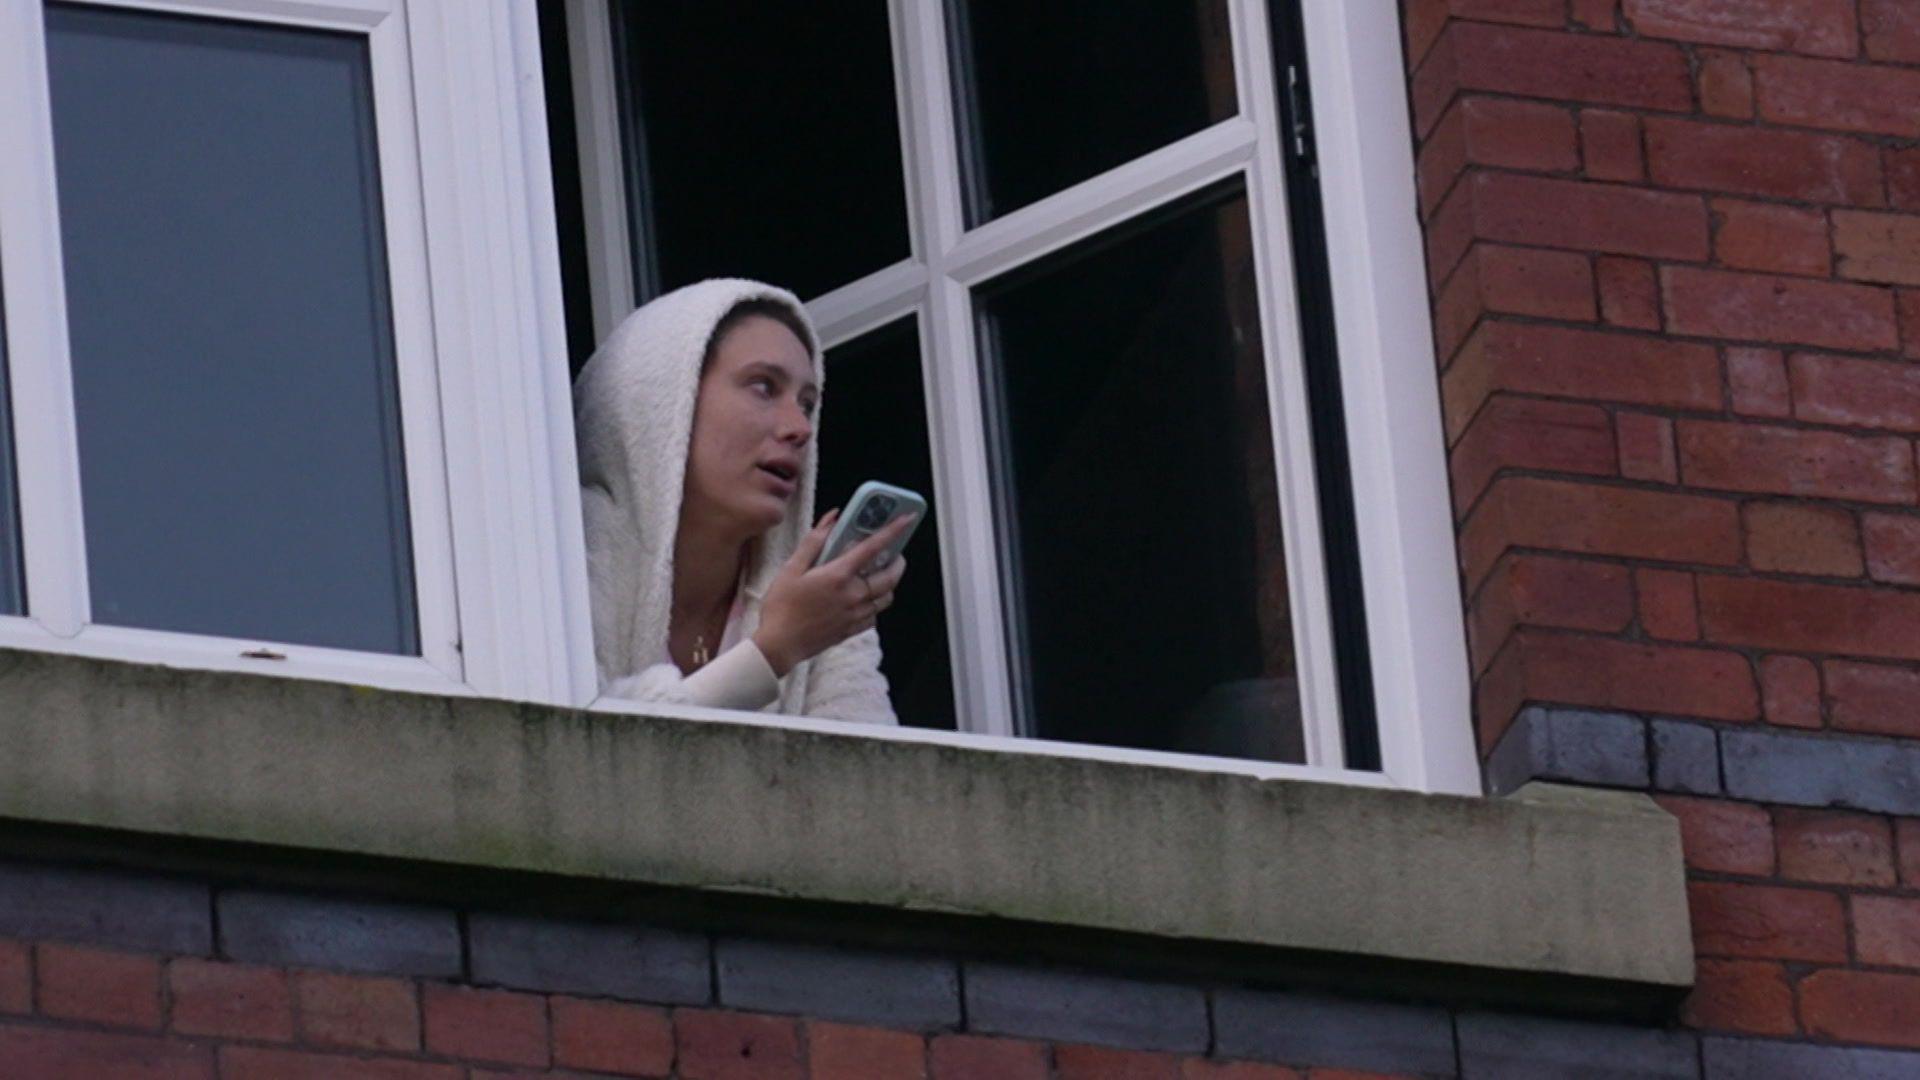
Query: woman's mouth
(784, 478)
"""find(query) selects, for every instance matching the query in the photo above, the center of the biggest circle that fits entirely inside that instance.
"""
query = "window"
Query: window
(1083, 241)
(243, 279)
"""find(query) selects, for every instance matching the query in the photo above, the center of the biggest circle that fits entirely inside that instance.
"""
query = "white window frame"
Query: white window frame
(487, 430)
(1390, 388)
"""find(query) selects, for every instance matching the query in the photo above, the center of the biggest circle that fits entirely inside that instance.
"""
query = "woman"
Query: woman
(696, 422)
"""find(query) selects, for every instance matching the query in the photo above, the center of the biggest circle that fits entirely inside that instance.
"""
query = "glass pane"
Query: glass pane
(232, 341)
(1054, 93)
(13, 590)
(1134, 454)
(874, 427)
(762, 141)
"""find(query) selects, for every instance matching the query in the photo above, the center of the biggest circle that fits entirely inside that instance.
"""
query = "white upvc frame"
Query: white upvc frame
(485, 414)
(1416, 630)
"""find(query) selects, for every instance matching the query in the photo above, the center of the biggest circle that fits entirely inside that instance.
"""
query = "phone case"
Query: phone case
(871, 508)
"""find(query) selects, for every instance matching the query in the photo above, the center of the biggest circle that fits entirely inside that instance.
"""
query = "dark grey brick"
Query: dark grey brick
(1753, 1059)
(1336, 1032)
(1686, 757)
(1809, 770)
(1502, 1047)
(1074, 1007)
(639, 964)
(889, 989)
(1570, 744)
(130, 911)
(283, 928)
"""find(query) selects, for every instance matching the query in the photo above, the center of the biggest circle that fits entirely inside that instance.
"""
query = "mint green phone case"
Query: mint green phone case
(871, 508)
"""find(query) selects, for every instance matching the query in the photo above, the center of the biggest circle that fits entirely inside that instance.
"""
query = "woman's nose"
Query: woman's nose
(795, 426)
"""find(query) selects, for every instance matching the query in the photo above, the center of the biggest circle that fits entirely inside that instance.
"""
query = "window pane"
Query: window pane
(1134, 452)
(874, 427)
(13, 591)
(762, 140)
(1055, 93)
(232, 345)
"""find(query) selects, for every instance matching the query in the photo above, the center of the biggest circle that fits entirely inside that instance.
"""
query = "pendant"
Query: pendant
(700, 653)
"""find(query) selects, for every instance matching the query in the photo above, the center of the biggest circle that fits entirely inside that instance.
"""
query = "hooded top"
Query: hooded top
(633, 406)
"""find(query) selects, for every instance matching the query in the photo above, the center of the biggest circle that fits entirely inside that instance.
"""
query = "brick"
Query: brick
(38, 1053)
(1886, 930)
(1743, 160)
(1202, 1069)
(1686, 757)
(1909, 304)
(1629, 292)
(1758, 381)
(1518, 12)
(891, 990)
(233, 1001)
(1574, 745)
(1809, 618)
(1547, 212)
(1435, 83)
(1511, 134)
(126, 911)
(1802, 538)
(347, 935)
(715, 1045)
(1903, 177)
(1528, 281)
(1907, 840)
(1325, 1030)
(982, 1057)
(115, 988)
(1442, 157)
(598, 959)
(1874, 699)
(485, 1025)
(1497, 697)
(1726, 84)
(1892, 29)
(1785, 310)
(1610, 145)
(1832, 847)
(1593, 519)
(1776, 239)
(1424, 21)
(1746, 996)
(1816, 27)
(1571, 67)
(1877, 246)
(1666, 603)
(16, 977)
(1842, 96)
(1568, 362)
(611, 1037)
(1862, 1007)
(1803, 770)
(1066, 1006)
(256, 1063)
(1756, 1059)
(1790, 691)
(1570, 593)
(358, 1011)
(1893, 547)
(1646, 448)
(1857, 393)
(1723, 837)
(1497, 1045)
(847, 1052)
(1767, 922)
(1524, 433)
(1450, 231)
(1075, 1062)
(1601, 15)
(1793, 461)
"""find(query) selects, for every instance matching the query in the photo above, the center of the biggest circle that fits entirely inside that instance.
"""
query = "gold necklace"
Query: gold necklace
(700, 653)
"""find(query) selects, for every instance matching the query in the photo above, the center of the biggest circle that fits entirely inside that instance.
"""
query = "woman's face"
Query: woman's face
(750, 427)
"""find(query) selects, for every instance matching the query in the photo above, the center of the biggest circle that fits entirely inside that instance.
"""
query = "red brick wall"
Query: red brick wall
(78, 1011)
(1675, 255)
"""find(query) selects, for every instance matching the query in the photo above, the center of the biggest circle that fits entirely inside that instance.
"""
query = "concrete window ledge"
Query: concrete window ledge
(1583, 887)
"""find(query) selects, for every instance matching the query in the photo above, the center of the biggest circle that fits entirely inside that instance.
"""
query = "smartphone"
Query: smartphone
(871, 508)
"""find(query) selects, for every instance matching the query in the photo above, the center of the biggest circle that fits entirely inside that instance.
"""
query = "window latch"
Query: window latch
(1298, 115)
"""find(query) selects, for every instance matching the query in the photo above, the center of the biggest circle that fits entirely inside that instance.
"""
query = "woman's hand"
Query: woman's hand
(810, 609)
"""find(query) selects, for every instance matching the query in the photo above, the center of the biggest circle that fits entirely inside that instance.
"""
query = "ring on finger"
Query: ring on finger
(867, 585)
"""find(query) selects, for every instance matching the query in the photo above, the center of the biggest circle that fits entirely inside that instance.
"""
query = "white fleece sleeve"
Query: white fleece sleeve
(739, 678)
(844, 683)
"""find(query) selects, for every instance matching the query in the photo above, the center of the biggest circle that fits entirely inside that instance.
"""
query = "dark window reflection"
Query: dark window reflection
(13, 590)
(874, 427)
(1135, 455)
(232, 343)
(762, 140)
(1054, 93)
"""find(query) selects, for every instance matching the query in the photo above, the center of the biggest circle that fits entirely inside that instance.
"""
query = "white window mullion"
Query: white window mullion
(602, 168)
(53, 534)
(976, 621)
